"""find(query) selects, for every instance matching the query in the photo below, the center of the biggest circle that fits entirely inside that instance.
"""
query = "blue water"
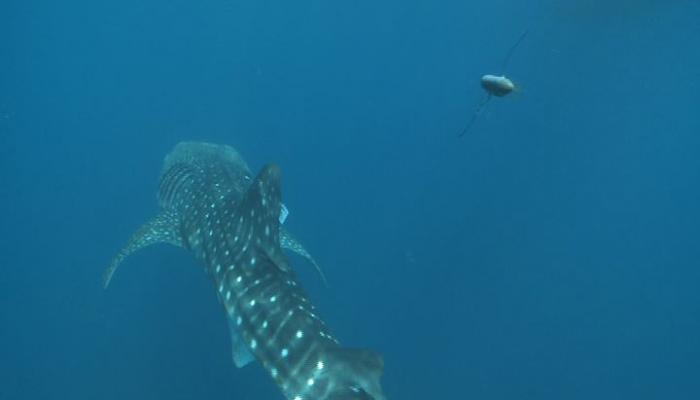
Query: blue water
(552, 253)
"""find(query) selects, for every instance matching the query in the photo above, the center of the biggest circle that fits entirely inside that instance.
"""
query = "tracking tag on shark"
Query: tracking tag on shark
(284, 213)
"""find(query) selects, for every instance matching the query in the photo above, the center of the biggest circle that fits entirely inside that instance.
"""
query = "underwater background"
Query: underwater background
(551, 253)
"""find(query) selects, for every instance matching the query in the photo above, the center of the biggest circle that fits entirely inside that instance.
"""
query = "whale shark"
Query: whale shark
(232, 223)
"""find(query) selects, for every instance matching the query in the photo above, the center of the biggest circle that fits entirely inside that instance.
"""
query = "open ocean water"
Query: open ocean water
(553, 252)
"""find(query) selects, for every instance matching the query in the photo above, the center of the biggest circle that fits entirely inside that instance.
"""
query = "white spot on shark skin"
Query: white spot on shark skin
(253, 344)
(267, 230)
(218, 268)
(252, 261)
(284, 353)
(273, 372)
(221, 288)
(238, 321)
(319, 365)
(273, 299)
(228, 295)
(299, 334)
(310, 382)
(252, 302)
(239, 279)
(264, 325)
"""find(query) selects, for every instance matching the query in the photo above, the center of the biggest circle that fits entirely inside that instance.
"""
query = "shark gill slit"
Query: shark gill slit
(172, 182)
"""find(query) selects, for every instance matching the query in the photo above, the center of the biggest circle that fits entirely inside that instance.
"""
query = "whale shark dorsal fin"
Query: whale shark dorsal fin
(289, 242)
(259, 212)
(163, 228)
(239, 351)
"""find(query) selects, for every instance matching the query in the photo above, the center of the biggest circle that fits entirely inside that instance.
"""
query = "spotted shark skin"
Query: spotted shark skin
(157, 230)
(232, 226)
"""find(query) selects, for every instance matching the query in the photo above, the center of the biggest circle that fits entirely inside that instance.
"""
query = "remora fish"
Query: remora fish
(210, 206)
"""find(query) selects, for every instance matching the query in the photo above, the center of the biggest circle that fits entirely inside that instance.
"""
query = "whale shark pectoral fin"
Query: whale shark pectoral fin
(163, 228)
(289, 242)
(239, 351)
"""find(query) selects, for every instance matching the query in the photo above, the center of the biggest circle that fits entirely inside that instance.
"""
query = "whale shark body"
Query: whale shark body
(231, 222)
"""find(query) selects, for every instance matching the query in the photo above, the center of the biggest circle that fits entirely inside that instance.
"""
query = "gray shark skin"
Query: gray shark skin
(231, 223)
